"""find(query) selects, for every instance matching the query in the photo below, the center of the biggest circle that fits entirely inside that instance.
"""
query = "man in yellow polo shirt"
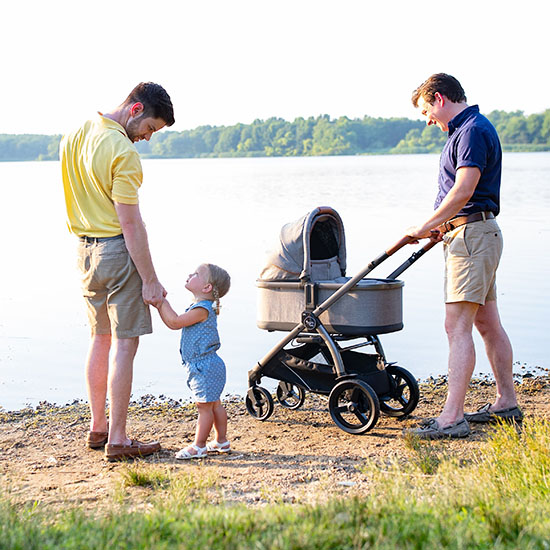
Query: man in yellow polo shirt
(102, 173)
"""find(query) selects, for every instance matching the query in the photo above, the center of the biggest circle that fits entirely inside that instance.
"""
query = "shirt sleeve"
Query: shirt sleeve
(472, 149)
(127, 177)
(203, 304)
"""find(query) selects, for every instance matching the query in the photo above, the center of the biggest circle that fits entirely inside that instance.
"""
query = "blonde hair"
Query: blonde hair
(220, 281)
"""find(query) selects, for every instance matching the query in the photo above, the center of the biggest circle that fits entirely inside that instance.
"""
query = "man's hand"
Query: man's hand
(417, 233)
(436, 236)
(153, 293)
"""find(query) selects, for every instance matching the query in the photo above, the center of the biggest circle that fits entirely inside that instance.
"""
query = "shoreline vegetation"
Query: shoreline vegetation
(313, 136)
(295, 481)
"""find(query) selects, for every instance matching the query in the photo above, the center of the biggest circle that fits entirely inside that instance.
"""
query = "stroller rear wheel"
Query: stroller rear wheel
(404, 393)
(261, 405)
(354, 406)
(290, 396)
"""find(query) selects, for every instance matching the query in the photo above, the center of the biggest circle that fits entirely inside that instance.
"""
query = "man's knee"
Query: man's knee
(487, 320)
(102, 341)
(126, 346)
(483, 327)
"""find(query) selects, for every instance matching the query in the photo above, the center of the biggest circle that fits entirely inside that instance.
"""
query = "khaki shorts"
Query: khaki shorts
(111, 287)
(472, 254)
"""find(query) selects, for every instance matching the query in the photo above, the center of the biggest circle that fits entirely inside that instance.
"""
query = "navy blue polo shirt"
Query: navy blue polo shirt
(472, 141)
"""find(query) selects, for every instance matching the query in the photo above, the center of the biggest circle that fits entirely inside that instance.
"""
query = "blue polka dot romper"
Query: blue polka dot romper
(205, 368)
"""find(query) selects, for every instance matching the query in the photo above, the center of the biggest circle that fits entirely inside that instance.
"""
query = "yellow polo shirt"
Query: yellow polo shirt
(99, 165)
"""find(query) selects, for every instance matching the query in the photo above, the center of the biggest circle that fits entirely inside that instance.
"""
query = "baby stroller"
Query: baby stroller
(303, 291)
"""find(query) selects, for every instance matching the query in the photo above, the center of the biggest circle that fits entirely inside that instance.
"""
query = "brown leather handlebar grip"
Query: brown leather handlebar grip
(400, 244)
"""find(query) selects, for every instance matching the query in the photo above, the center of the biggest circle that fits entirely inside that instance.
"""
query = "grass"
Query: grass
(427, 455)
(498, 499)
(138, 475)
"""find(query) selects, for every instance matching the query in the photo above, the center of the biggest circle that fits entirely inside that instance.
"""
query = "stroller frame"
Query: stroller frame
(359, 385)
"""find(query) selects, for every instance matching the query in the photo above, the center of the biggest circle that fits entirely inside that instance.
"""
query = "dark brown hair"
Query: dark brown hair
(445, 84)
(155, 99)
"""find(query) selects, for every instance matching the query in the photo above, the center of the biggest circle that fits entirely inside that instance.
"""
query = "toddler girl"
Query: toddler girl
(205, 369)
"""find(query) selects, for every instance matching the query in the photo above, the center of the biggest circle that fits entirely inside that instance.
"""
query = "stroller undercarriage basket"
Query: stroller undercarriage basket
(328, 317)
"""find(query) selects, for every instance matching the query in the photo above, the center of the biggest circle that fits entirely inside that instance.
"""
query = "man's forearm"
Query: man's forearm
(137, 243)
(135, 236)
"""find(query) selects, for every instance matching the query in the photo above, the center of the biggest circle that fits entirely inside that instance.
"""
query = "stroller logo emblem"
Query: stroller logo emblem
(309, 320)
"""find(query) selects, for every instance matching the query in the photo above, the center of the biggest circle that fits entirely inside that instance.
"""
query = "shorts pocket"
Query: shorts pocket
(480, 238)
(83, 261)
(457, 242)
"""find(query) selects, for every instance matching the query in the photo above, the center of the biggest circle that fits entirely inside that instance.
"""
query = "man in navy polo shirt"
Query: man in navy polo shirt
(464, 218)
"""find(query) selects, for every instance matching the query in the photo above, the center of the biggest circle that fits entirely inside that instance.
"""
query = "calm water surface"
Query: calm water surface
(229, 212)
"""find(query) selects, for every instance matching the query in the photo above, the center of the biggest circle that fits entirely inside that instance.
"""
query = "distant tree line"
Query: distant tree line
(28, 147)
(314, 136)
(276, 137)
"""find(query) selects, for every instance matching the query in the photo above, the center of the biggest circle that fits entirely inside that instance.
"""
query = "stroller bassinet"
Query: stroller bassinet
(303, 290)
(308, 265)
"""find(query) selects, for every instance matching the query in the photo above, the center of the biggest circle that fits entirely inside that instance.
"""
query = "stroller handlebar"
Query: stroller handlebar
(415, 256)
(435, 237)
(400, 244)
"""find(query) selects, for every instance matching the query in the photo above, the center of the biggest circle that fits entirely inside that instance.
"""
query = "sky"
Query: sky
(230, 61)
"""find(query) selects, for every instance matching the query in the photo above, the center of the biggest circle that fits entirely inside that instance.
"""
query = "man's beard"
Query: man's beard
(132, 129)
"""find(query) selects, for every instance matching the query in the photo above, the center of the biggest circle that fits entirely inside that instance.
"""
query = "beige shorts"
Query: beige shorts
(112, 287)
(472, 254)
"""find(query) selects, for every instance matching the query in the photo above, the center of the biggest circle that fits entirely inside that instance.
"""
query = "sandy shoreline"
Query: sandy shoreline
(294, 456)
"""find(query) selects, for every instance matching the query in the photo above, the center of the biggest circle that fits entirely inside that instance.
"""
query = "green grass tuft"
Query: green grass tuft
(140, 475)
(426, 455)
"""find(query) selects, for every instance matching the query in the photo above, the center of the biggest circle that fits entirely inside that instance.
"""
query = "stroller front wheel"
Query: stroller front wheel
(290, 396)
(260, 405)
(404, 394)
(354, 406)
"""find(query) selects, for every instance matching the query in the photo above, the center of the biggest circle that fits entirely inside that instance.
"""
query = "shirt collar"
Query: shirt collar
(110, 123)
(459, 119)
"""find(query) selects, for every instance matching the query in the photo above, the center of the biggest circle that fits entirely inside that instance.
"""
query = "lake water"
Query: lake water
(229, 212)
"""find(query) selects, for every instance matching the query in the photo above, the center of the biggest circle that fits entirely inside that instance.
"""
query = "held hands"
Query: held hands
(153, 293)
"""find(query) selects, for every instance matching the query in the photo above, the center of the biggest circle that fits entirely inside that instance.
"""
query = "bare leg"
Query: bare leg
(220, 422)
(204, 423)
(459, 321)
(499, 352)
(97, 369)
(120, 387)
(210, 414)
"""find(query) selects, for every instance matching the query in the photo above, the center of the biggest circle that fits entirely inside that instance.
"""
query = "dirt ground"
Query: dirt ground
(294, 456)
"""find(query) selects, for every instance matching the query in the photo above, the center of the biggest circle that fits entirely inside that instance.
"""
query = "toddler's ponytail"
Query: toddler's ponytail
(216, 306)
(220, 281)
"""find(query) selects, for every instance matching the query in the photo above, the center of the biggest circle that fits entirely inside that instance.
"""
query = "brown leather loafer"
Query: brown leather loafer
(96, 440)
(136, 448)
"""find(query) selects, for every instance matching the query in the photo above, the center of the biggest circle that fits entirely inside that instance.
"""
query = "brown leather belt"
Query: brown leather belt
(462, 220)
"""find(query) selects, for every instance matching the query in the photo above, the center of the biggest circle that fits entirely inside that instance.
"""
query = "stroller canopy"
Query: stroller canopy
(312, 248)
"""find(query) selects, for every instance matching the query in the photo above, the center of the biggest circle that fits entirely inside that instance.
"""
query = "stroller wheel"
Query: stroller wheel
(290, 396)
(261, 405)
(404, 393)
(354, 406)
